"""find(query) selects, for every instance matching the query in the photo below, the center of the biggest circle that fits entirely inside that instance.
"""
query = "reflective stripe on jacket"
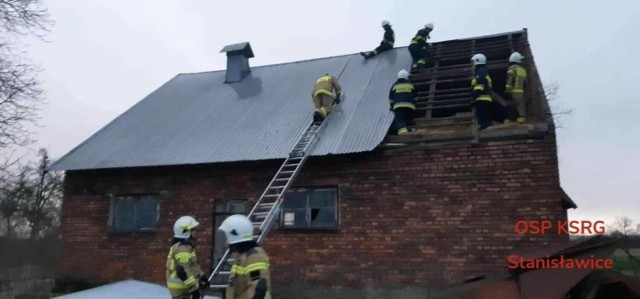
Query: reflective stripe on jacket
(402, 94)
(482, 84)
(516, 78)
(250, 277)
(182, 259)
(326, 85)
(419, 40)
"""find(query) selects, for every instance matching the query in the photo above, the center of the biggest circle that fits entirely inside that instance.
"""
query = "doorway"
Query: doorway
(223, 209)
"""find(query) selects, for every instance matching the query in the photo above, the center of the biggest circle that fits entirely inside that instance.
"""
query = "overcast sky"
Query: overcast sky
(104, 56)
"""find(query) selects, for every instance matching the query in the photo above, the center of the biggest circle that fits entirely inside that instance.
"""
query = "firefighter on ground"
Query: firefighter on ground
(386, 44)
(482, 92)
(402, 99)
(418, 47)
(250, 275)
(323, 98)
(514, 89)
(185, 279)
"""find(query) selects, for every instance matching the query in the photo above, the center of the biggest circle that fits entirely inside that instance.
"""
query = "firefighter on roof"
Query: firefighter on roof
(514, 89)
(418, 47)
(386, 44)
(322, 95)
(482, 91)
(185, 279)
(402, 98)
(250, 277)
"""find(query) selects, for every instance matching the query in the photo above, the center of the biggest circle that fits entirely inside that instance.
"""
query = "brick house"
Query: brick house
(367, 210)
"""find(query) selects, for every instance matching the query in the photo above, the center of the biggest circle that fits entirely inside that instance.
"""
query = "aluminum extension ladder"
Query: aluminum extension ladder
(266, 208)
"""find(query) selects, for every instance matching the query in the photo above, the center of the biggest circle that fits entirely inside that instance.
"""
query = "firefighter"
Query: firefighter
(250, 276)
(402, 98)
(418, 47)
(514, 89)
(185, 278)
(386, 44)
(481, 83)
(323, 98)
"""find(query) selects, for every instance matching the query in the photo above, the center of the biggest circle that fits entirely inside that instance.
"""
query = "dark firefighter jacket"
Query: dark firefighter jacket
(481, 84)
(402, 94)
(389, 36)
(419, 41)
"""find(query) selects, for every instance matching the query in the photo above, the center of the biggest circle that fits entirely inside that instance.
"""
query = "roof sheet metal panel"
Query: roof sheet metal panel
(197, 118)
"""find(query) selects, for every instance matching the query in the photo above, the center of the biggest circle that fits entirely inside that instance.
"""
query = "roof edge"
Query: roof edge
(54, 166)
(567, 202)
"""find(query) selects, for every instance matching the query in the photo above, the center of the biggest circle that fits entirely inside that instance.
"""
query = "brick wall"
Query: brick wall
(426, 217)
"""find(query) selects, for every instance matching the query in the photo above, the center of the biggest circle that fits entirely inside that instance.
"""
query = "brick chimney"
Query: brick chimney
(237, 61)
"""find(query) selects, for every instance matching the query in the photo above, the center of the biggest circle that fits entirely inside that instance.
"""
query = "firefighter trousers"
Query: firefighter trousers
(516, 107)
(483, 113)
(418, 56)
(403, 117)
(323, 104)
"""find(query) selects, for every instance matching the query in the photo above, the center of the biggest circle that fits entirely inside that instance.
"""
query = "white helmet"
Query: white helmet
(183, 226)
(516, 57)
(385, 23)
(429, 25)
(237, 228)
(403, 74)
(479, 59)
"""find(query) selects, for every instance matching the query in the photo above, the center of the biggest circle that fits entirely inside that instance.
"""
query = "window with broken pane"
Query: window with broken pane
(310, 208)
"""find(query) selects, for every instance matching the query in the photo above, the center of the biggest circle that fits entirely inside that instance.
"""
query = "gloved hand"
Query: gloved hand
(204, 282)
(338, 100)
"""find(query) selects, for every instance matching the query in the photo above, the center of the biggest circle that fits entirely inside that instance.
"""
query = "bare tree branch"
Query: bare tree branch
(20, 93)
(24, 17)
(557, 109)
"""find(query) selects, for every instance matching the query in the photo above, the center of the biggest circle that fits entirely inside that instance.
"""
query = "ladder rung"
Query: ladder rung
(218, 286)
(282, 179)
(256, 224)
(266, 204)
(287, 172)
(224, 273)
(260, 214)
(271, 195)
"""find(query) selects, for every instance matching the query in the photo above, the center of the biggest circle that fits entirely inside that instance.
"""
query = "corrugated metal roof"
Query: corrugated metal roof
(126, 289)
(197, 118)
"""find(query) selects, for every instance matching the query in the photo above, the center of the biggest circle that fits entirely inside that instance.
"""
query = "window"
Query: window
(137, 213)
(310, 208)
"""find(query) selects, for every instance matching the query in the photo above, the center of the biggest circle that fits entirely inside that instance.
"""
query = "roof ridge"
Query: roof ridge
(357, 53)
